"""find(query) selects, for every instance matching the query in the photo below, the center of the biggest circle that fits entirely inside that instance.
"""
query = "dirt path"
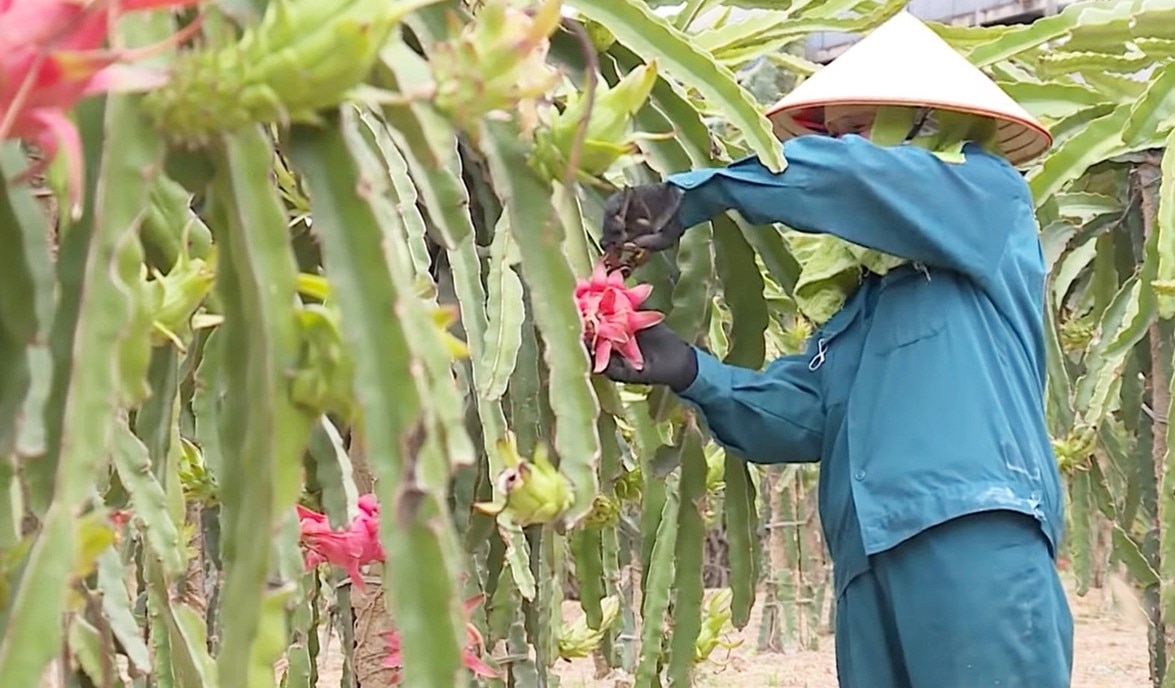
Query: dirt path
(1110, 652)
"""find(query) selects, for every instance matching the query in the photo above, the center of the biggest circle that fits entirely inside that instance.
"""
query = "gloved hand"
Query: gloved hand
(669, 360)
(645, 215)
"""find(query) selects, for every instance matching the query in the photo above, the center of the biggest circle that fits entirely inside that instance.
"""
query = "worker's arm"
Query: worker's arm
(901, 200)
(774, 416)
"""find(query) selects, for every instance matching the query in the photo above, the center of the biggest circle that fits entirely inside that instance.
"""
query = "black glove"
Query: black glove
(669, 360)
(645, 215)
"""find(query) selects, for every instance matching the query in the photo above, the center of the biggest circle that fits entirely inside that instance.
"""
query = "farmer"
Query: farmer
(922, 397)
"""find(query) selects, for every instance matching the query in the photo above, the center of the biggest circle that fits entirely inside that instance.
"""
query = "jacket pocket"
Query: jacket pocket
(911, 308)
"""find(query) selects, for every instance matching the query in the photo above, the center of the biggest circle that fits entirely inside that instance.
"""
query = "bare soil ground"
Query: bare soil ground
(1110, 652)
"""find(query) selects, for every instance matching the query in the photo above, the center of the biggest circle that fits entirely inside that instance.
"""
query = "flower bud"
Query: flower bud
(629, 485)
(497, 65)
(175, 297)
(535, 492)
(578, 639)
(323, 379)
(304, 56)
(606, 139)
(716, 619)
(605, 512)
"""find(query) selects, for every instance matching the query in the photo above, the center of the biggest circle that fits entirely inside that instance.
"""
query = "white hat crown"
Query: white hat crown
(904, 63)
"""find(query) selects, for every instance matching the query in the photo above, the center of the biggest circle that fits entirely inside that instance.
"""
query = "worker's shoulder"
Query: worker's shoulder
(977, 159)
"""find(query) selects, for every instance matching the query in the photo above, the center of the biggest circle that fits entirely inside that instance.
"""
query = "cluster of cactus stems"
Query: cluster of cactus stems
(292, 343)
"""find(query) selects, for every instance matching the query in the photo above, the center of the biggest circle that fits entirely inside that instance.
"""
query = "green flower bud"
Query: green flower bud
(174, 298)
(715, 469)
(579, 639)
(497, 65)
(1076, 334)
(535, 492)
(324, 377)
(1075, 451)
(628, 486)
(715, 621)
(303, 57)
(605, 512)
(606, 139)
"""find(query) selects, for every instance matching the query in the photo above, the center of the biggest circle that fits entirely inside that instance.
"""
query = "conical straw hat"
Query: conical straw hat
(903, 62)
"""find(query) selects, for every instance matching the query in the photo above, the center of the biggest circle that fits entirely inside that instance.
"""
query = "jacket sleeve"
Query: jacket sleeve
(901, 200)
(774, 416)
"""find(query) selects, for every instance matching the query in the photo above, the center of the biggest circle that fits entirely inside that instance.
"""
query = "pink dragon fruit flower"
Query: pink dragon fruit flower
(347, 549)
(608, 311)
(471, 653)
(51, 56)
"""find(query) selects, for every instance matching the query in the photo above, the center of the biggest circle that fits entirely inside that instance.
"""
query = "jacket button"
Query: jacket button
(859, 475)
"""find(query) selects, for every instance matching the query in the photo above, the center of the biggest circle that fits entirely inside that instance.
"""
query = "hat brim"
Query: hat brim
(1020, 139)
(904, 63)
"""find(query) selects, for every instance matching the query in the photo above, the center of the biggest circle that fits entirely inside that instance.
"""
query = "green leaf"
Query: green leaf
(429, 145)
(148, 500)
(1024, 37)
(419, 569)
(688, 564)
(257, 282)
(1055, 64)
(404, 229)
(742, 290)
(1163, 281)
(765, 34)
(1052, 100)
(1100, 140)
(505, 312)
(657, 590)
(1153, 114)
(335, 474)
(86, 644)
(116, 605)
(97, 365)
(26, 284)
(551, 285)
(653, 37)
(589, 572)
(742, 525)
(185, 637)
(1086, 206)
(1123, 324)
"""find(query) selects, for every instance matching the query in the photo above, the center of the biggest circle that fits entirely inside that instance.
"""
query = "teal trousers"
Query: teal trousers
(973, 603)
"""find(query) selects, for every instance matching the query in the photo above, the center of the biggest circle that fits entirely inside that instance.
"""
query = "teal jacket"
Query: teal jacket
(923, 397)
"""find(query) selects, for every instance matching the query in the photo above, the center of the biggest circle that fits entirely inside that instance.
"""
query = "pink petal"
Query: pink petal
(612, 331)
(638, 294)
(57, 133)
(305, 514)
(473, 602)
(599, 276)
(368, 504)
(120, 78)
(131, 5)
(643, 319)
(479, 667)
(603, 355)
(631, 351)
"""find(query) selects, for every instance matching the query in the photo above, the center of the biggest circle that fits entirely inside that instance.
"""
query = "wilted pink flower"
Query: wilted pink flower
(346, 549)
(51, 56)
(608, 311)
(471, 654)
